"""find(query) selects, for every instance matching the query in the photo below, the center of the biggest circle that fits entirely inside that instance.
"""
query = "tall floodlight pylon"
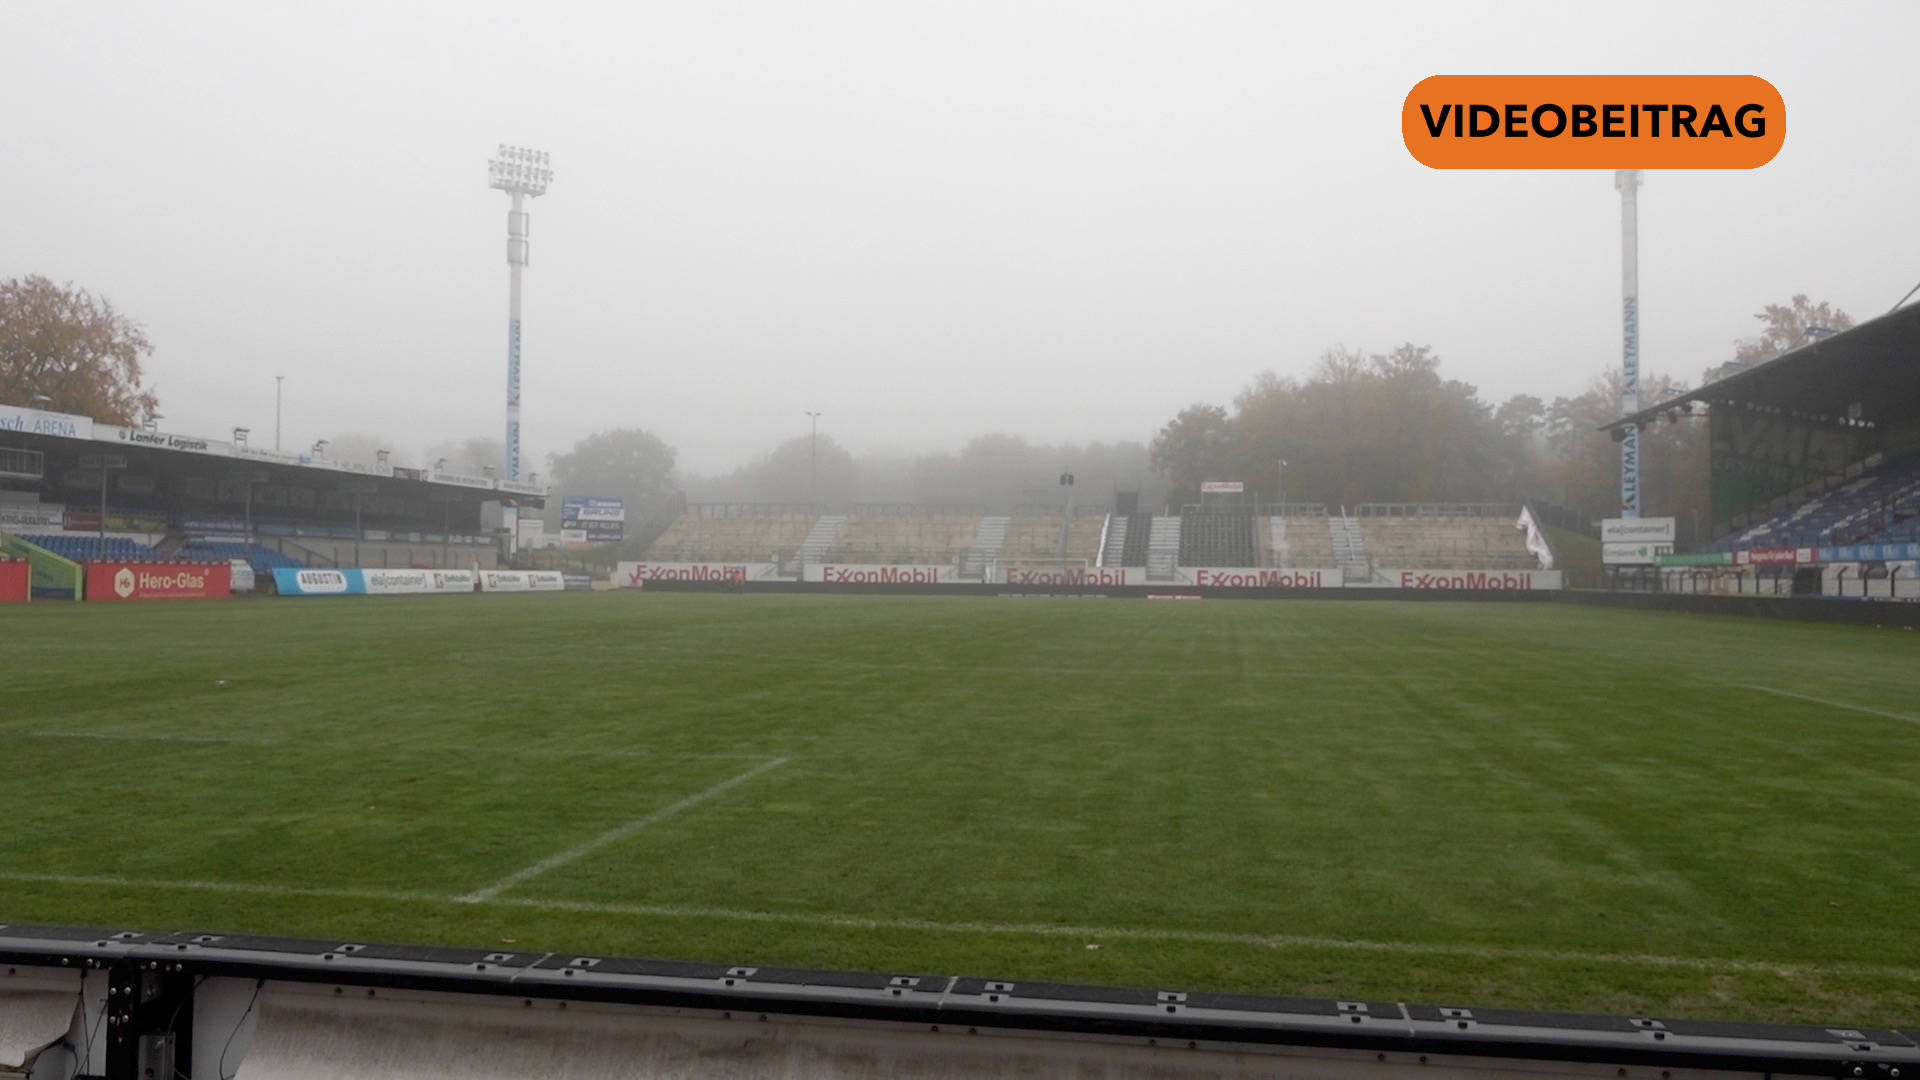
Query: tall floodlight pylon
(523, 174)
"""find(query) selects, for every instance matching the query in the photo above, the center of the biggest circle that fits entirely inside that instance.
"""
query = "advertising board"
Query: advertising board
(522, 581)
(1644, 530)
(1773, 556)
(158, 581)
(1870, 552)
(31, 517)
(1252, 577)
(1489, 580)
(634, 575)
(1633, 552)
(415, 582)
(1222, 487)
(368, 582)
(16, 581)
(597, 519)
(879, 574)
(38, 422)
(1082, 577)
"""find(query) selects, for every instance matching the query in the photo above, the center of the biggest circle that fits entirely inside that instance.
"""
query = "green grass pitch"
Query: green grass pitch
(1512, 804)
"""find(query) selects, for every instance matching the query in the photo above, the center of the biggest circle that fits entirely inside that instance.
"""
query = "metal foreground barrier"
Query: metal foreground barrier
(127, 1005)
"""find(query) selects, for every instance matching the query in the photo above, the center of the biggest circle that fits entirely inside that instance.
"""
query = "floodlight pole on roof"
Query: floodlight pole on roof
(1628, 182)
(522, 174)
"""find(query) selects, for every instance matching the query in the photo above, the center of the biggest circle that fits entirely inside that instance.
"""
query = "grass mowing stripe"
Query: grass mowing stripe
(1830, 703)
(1110, 933)
(134, 736)
(554, 862)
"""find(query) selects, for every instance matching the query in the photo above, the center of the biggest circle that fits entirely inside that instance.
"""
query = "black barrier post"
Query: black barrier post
(1740, 582)
(1893, 582)
(1840, 582)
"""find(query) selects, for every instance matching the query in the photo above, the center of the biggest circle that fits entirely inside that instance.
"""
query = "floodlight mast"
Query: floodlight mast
(523, 174)
(1628, 182)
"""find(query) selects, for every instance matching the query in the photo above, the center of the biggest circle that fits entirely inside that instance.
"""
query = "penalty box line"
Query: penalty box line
(930, 926)
(617, 834)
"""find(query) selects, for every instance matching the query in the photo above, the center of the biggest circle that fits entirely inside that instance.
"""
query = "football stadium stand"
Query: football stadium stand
(735, 533)
(262, 558)
(1211, 536)
(1880, 505)
(1035, 537)
(73, 491)
(86, 547)
(1298, 539)
(1442, 537)
(934, 535)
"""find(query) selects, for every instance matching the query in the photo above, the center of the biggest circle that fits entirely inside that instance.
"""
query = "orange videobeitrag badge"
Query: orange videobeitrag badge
(1594, 122)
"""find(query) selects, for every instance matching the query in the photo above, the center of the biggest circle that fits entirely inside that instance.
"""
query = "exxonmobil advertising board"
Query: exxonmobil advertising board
(881, 574)
(1484, 580)
(1088, 576)
(522, 581)
(16, 581)
(158, 581)
(1256, 577)
(634, 575)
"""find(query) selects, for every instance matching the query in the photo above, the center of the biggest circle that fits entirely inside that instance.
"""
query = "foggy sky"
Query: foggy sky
(1057, 220)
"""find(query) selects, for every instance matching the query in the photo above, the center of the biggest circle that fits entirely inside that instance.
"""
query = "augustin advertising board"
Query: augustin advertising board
(361, 582)
(158, 581)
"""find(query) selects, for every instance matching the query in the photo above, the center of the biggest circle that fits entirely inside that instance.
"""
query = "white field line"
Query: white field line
(135, 736)
(1828, 702)
(930, 926)
(617, 834)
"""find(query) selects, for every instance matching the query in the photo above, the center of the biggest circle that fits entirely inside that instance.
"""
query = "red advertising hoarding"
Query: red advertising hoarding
(16, 581)
(158, 581)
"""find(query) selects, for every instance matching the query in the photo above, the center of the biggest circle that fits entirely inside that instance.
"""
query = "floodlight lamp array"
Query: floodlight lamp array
(516, 168)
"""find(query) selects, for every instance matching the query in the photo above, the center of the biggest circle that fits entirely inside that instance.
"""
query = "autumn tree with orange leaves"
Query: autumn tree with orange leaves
(66, 350)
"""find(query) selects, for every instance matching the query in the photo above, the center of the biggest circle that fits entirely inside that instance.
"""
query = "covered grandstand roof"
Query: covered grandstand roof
(1870, 373)
(36, 429)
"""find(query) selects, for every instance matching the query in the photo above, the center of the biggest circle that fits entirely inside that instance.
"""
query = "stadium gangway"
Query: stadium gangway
(78, 1002)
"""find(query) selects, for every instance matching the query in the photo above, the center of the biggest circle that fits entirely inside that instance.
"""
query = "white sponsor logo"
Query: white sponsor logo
(123, 582)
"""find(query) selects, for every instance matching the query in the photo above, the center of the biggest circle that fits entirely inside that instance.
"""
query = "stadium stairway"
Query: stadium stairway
(1116, 546)
(988, 538)
(1349, 548)
(821, 537)
(1133, 548)
(1163, 547)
